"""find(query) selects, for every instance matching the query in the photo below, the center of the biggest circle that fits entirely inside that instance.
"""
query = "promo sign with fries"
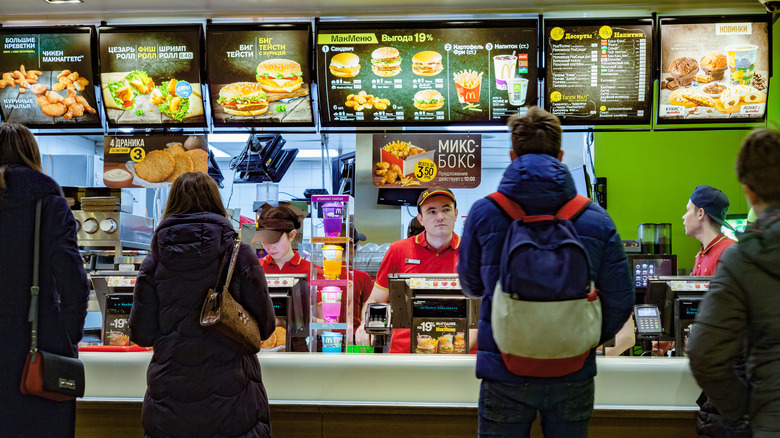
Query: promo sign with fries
(427, 160)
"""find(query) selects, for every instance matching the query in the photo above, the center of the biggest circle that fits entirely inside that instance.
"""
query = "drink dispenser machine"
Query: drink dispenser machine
(436, 310)
(289, 294)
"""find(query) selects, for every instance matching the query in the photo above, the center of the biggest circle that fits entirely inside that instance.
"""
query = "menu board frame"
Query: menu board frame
(78, 29)
(532, 88)
(309, 72)
(548, 24)
(149, 29)
(711, 19)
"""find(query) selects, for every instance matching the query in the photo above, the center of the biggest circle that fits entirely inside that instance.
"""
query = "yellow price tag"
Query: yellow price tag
(137, 154)
(425, 170)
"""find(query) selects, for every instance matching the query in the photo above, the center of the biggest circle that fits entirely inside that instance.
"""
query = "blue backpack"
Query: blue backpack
(546, 315)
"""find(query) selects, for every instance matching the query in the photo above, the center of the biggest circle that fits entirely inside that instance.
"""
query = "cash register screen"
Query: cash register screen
(663, 291)
(645, 266)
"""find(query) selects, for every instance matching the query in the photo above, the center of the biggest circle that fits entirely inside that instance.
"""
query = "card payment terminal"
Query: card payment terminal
(648, 321)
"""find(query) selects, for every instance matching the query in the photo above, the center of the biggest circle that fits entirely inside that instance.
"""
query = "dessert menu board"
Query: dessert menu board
(47, 77)
(259, 74)
(713, 69)
(150, 76)
(425, 73)
(599, 71)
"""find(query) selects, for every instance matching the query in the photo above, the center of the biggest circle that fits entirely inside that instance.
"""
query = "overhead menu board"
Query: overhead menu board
(714, 69)
(47, 77)
(426, 73)
(259, 74)
(599, 71)
(151, 75)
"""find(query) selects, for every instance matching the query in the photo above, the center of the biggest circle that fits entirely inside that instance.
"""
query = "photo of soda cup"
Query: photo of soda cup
(742, 62)
(517, 88)
(504, 67)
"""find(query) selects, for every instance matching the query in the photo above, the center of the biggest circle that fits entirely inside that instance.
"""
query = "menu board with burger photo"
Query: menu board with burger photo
(260, 74)
(152, 161)
(47, 77)
(150, 76)
(599, 70)
(714, 69)
(426, 73)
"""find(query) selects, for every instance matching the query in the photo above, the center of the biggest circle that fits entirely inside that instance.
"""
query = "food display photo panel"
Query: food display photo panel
(151, 76)
(599, 71)
(153, 161)
(47, 77)
(425, 73)
(714, 69)
(260, 74)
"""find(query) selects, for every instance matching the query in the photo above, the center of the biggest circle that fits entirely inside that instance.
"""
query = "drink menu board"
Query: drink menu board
(599, 71)
(714, 69)
(259, 74)
(47, 77)
(425, 73)
(150, 76)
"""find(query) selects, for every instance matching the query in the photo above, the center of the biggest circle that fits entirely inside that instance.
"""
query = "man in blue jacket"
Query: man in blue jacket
(538, 181)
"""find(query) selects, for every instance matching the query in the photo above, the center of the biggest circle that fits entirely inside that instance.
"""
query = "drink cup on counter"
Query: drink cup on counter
(331, 303)
(504, 67)
(331, 342)
(517, 88)
(331, 261)
(331, 218)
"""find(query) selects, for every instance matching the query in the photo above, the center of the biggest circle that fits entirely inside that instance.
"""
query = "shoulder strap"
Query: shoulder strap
(512, 208)
(32, 317)
(236, 247)
(572, 209)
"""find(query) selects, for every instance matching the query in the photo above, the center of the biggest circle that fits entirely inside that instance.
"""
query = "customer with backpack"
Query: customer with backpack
(536, 369)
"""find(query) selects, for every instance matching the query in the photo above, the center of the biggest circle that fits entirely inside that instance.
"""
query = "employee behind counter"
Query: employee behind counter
(434, 251)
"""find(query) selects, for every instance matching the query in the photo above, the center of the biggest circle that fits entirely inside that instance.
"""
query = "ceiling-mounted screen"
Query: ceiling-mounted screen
(47, 77)
(599, 71)
(425, 73)
(714, 69)
(151, 75)
(260, 74)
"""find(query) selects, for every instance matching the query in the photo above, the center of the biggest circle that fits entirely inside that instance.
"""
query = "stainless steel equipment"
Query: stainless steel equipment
(113, 229)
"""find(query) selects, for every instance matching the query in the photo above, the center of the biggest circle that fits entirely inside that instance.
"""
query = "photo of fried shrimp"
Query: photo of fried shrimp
(157, 166)
(22, 77)
(364, 101)
(468, 79)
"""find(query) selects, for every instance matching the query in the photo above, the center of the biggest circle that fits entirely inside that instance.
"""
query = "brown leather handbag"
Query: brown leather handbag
(223, 316)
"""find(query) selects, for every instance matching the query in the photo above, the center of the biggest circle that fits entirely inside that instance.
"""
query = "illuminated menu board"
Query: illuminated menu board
(599, 71)
(425, 73)
(47, 77)
(713, 69)
(259, 74)
(150, 76)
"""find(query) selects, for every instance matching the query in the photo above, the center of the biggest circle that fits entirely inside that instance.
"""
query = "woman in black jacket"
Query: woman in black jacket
(64, 289)
(198, 386)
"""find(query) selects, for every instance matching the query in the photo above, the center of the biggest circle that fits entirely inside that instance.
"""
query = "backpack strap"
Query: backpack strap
(510, 207)
(572, 209)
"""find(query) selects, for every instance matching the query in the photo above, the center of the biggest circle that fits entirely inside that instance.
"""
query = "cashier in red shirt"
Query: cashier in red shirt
(276, 230)
(433, 251)
(703, 218)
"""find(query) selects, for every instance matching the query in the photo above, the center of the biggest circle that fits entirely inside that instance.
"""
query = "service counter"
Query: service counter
(338, 395)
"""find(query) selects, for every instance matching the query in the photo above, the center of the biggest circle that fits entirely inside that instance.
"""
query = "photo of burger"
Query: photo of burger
(386, 61)
(445, 344)
(345, 65)
(243, 99)
(428, 100)
(279, 75)
(427, 63)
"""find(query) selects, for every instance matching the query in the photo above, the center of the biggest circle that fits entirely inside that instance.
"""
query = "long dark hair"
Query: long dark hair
(194, 192)
(17, 148)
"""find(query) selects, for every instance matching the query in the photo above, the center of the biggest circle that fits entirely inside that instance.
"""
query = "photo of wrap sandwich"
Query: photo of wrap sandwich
(139, 80)
(177, 107)
(117, 92)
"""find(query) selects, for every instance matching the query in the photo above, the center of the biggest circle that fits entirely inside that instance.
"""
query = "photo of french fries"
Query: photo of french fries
(364, 101)
(392, 173)
(468, 84)
(402, 149)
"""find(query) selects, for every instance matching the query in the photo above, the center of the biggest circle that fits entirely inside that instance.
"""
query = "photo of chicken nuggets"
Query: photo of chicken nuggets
(175, 148)
(157, 166)
(200, 159)
(183, 164)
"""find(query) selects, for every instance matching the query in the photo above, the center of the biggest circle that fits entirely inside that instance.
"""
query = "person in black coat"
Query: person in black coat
(198, 386)
(64, 289)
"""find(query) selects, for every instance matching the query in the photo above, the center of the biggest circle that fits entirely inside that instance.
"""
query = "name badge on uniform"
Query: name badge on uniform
(412, 261)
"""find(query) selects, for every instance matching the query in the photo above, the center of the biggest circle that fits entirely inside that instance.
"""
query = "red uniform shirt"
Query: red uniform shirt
(296, 265)
(414, 256)
(707, 258)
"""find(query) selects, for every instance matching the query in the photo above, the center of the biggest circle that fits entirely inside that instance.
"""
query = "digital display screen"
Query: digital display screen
(151, 75)
(643, 268)
(426, 73)
(714, 69)
(260, 74)
(646, 311)
(599, 71)
(47, 77)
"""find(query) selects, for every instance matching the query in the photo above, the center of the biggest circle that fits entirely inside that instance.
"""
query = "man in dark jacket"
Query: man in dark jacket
(739, 315)
(541, 184)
